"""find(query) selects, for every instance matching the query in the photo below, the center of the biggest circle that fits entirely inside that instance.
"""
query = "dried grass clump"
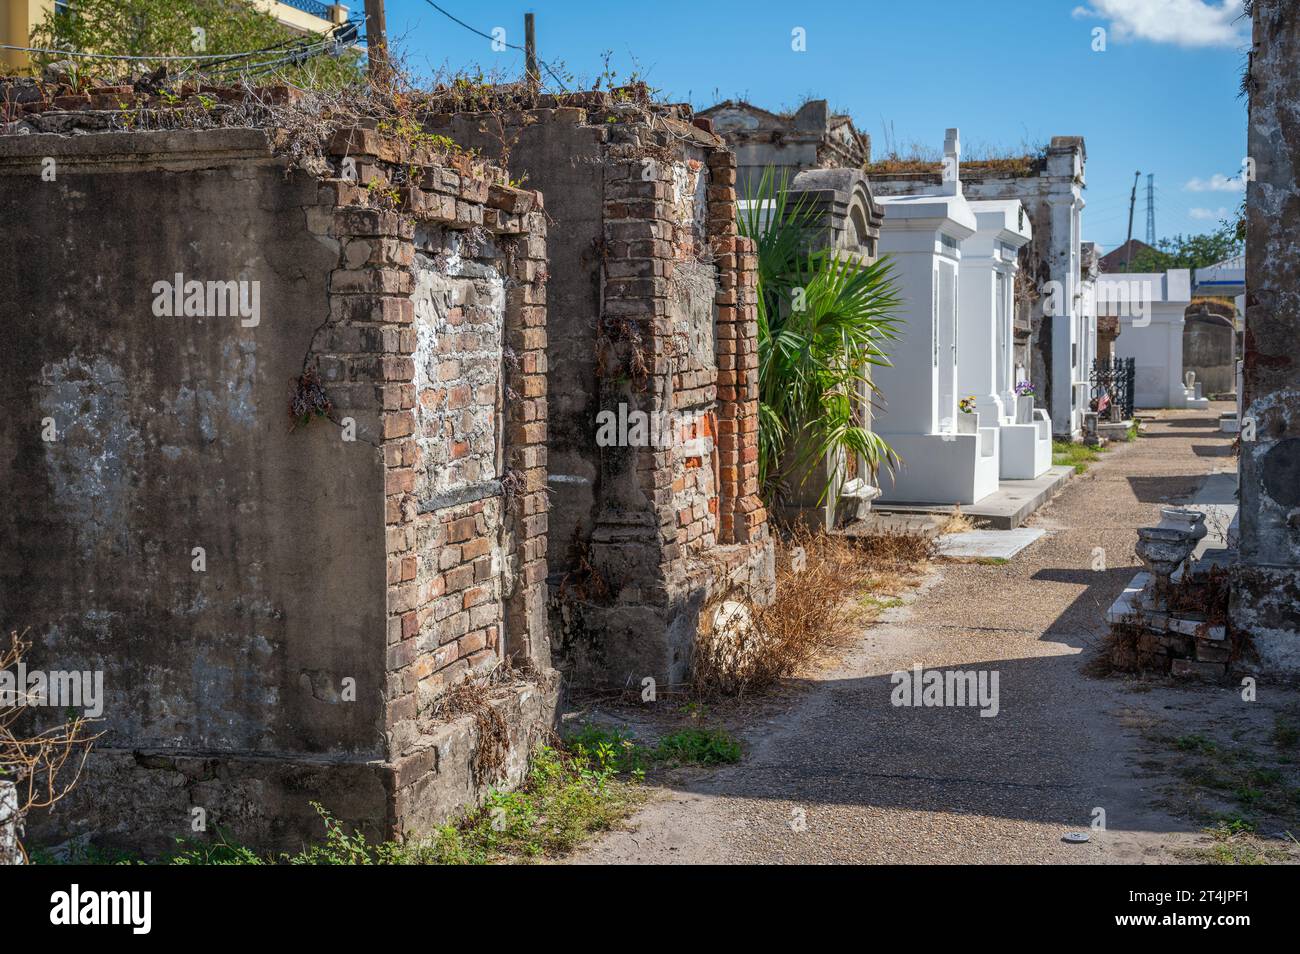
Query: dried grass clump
(1204, 594)
(813, 611)
(474, 697)
(958, 522)
(1014, 166)
(1119, 650)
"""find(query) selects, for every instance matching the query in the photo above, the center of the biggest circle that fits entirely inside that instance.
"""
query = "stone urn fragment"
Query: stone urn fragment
(1165, 547)
(1090, 423)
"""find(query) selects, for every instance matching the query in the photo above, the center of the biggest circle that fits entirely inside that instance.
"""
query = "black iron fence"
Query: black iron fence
(1115, 377)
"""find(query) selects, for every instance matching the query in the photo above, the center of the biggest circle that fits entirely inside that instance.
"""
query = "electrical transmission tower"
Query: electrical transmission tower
(1151, 208)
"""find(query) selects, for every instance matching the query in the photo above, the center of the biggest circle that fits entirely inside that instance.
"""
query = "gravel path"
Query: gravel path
(841, 775)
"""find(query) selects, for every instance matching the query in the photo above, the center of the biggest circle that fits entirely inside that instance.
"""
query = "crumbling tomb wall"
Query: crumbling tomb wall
(1210, 345)
(786, 143)
(1266, 592)
(652, 327)
(278, 608)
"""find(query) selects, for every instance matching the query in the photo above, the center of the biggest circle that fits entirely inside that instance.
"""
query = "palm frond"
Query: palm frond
(824, 318)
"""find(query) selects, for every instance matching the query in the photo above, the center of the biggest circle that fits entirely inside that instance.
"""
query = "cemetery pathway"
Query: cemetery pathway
(835, 773)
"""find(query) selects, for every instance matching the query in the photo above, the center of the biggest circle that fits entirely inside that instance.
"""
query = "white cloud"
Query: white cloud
(1181, 22)
(1216, 183)
(1212, 214)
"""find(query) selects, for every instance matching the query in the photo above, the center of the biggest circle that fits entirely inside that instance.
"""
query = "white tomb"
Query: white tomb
(1151, 308)
(947, 457)
(985, 369)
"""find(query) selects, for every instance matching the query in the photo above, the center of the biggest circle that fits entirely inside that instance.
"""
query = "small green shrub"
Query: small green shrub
(692, 746)
(612, 746)
(1078, 456)
(1194, 743)
(1285, 733)
(568, 796)
(699, 747)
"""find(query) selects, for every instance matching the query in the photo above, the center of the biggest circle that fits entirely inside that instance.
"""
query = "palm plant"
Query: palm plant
(823, 318)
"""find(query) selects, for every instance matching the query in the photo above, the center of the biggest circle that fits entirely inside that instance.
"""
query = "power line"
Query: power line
(1180, 207)
(487, 36)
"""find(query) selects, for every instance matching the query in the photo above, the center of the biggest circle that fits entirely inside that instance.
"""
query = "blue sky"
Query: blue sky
(1160, 98)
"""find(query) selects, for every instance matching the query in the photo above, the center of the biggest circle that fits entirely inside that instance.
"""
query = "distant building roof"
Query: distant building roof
(1227, 278)
(1115, 260)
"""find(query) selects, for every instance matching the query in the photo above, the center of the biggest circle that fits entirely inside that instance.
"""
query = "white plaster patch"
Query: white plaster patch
(91, 463)
(459, 442)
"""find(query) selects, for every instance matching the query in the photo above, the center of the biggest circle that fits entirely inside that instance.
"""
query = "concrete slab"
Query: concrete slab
(1217, 499)
(988, 544)
(1005, 509)
(876, 523)
(1114, 430)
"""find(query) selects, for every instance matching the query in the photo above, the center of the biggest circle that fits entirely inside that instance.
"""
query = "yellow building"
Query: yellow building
(19, 17)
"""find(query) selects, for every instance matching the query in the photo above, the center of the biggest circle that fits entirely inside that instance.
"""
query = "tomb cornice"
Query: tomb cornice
(929, 213)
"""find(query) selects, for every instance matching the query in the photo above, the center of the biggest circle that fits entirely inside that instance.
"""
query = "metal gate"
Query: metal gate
(1115, 376)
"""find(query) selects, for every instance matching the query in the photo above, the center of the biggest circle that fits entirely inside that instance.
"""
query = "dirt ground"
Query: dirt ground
(834, 772)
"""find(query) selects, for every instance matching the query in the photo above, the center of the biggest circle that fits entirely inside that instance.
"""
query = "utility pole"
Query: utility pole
(531, 76)
(376, 42)
(1132, 201)
(1151, 209)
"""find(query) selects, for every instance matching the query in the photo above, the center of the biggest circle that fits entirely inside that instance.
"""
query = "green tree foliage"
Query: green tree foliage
(823, 319)
(167, 28)
(1192, 251)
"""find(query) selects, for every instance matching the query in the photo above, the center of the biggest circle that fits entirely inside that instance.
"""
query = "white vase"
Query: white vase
(968, 423)
(1024, 408)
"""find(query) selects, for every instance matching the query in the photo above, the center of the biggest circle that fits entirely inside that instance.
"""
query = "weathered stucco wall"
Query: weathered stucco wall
(1266, 597)
(354, 567)
(172, 433)
(786, 144)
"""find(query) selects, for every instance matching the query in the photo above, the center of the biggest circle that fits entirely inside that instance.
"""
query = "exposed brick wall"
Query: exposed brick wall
(655, 300)
(643, 240)
(443, 303)
(525, 433)
(742, 517)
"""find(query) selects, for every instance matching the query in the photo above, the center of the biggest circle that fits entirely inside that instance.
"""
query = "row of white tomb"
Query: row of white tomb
(948, 402)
